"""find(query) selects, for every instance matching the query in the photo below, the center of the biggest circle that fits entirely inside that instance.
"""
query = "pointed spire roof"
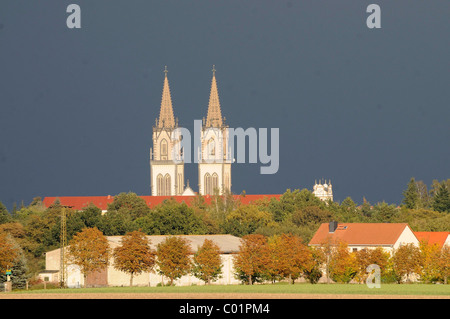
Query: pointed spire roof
(166, 118)
(214, 117)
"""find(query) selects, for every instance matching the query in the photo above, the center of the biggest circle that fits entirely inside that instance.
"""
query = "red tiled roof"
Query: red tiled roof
(79, 202)
(433, 237)
(360, 233)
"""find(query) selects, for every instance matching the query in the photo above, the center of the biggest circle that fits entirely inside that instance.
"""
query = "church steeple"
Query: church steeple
(166, 118)
(214, 117)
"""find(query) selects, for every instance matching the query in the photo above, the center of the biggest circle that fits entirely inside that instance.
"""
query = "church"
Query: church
(167, 175)
(166, 155)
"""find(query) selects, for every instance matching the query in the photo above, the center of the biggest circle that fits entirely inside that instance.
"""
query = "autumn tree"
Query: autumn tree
(314, 274)
(406, 261)
(444, 263)
(253, 257)
(366, 257)
(430, 254)
(8, 253)
(291, 257)
(343, 266)
(89, 249)
(207, 265)
(173, 257)
(135, 255)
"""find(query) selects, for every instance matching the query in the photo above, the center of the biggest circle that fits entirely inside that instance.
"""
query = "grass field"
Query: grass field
(278, 289)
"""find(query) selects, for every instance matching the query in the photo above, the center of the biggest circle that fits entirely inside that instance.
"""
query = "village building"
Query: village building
(110, 277)
(357, 236)
(438, 238)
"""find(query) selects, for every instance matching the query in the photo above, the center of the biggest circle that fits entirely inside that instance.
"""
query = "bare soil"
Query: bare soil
(208, 296)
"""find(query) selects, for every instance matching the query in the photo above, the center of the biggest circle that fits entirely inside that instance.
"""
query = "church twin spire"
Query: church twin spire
(166, 118)
(214, 117)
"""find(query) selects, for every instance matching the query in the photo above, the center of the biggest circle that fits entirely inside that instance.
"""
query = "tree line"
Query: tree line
(35, 229)
(259, 259)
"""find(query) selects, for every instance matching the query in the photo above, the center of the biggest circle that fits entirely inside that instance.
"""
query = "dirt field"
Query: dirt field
(208, 296)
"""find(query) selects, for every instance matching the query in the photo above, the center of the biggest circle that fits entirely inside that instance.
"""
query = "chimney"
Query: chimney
(332, 226)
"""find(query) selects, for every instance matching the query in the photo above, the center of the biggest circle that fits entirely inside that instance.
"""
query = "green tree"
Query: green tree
(172, 218)
(5, 217)
(410, 195)
(441, 200)
(129, 203)
(245, 220)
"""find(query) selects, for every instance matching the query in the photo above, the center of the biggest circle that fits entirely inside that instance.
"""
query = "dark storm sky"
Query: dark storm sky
(368, 109)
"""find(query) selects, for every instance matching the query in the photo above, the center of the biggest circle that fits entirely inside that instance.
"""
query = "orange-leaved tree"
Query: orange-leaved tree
(343, 266)
(8, 253)
(253, 257)
(207, 262)
(293, 257)
(89, 249)
(135, 255)
(430, 254)
(366, 257)
(444, 263)
(407, 261)
(173, 257)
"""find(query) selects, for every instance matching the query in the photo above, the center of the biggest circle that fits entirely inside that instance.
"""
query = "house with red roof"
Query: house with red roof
(439, 238)
(359, 236)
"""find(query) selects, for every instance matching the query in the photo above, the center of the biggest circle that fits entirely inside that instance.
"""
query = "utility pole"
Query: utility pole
(63, 243)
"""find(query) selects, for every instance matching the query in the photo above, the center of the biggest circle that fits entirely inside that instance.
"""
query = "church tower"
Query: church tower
(166, 165)
(214, 168)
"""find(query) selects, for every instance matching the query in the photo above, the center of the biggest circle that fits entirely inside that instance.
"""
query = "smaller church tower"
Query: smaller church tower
(323, 191)
(166, 164)
(214, 168)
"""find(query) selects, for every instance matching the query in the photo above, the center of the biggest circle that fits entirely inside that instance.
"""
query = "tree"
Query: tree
(406, 261)
(443, 263)
(245, 220)
(410, 195)
(207, 262)
(172, 218)
(129, 203)
(441, 200)
(430, 254)
(343, 266)
(291, 257)
(5, 217)
(366, 257)
(135, 255)
(253, 257)
(173, 258)
(89, 250)
(8, 253)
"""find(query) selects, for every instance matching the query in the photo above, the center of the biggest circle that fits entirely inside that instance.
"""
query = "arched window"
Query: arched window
(207, 184)
(164, 149)
(167, 185)
(180, 183)
(215, 183)
(159, 185)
